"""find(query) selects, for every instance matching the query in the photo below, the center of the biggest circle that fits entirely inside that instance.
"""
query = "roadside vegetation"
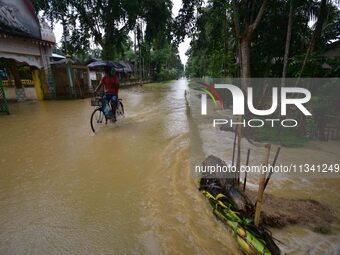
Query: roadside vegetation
(285, 137)
(272, 39)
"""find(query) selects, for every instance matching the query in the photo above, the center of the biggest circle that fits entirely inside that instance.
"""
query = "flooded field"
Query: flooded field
(128, 189)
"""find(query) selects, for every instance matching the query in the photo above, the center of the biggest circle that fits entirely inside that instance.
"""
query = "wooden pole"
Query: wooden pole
(233, 159)
(274, 163)
(245, 174)
(238, 162)
(261, 187)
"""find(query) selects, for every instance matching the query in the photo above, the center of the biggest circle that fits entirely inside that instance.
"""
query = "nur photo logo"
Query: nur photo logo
(290, 98)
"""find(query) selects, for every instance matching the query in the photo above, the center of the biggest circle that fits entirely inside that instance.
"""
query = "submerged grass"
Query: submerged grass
(157, 85)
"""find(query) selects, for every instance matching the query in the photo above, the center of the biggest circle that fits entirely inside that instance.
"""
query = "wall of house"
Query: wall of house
(29, 92)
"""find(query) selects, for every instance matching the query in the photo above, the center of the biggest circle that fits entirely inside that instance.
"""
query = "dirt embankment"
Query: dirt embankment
(278, 212)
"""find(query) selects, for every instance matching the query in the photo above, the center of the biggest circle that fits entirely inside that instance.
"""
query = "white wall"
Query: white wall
(30, 93)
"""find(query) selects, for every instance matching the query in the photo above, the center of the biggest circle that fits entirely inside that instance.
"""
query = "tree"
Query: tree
(316, 33)
(107, 22)
(211, 51)
(250, 21)
(185, 21)
(288, 40)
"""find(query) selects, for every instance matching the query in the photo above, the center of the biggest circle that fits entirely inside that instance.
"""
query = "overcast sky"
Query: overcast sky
(183, 47)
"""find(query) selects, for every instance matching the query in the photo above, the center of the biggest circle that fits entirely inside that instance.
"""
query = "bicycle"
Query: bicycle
(98, 116)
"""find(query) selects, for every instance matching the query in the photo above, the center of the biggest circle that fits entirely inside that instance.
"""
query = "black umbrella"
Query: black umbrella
(101, 64)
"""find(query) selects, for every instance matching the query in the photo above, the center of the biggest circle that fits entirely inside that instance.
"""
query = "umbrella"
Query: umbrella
(126, 66)
(100, 64)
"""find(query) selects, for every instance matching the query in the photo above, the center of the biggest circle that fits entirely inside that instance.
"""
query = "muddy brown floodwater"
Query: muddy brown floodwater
(129, 188)
(126, 190)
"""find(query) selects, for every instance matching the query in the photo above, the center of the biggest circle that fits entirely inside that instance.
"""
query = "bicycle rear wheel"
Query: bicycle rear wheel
(98, 119)
(120, 109)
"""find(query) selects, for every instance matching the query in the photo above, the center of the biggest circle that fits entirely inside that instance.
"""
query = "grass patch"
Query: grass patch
(287, 137)
(194, 85)
(157, 85)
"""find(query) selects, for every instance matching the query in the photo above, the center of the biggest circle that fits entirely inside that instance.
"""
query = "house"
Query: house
(71, 79)
(25, 40)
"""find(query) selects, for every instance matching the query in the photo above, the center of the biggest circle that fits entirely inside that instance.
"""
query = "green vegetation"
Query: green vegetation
(286, 137)
(221, 28)
(269, 38)
(109, 25)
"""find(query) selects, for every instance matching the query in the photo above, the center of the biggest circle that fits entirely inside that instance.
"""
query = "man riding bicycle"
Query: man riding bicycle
(110, 82)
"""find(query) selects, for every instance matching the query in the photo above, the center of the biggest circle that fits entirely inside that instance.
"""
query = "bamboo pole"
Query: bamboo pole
(261, 187)
(233, 159)
(245, 174)
(273, 164)
(238, 162)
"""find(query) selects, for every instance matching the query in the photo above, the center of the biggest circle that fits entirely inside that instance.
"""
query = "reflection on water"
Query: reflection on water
(125, 190)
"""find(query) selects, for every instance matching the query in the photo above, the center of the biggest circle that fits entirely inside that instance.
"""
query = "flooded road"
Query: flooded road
(126, 190)
(129, 189)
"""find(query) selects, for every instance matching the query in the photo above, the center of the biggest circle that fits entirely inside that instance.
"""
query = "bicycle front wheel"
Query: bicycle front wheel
(98, 119)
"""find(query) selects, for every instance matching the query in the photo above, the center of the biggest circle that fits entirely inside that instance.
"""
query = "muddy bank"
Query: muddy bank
(276, 212)
(279, 212)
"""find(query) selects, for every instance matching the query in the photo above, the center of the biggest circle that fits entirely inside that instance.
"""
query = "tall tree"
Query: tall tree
(288, 41)
(316, 34)
(185, 21)
(108, 22)
(245, 26)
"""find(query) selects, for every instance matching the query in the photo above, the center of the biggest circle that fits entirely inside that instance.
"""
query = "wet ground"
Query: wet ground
(129, 188)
